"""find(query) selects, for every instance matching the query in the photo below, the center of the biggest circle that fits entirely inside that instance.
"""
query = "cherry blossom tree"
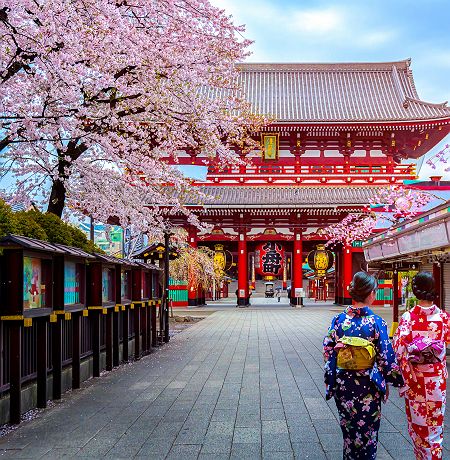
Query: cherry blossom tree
(403, 202)
(95, 95)
(354, 227)
(398, 203)
(442, 157)
(196, 266)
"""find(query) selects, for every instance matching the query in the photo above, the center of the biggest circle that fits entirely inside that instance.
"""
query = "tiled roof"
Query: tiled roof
(236, 196)
(40, 245)
(357, 92)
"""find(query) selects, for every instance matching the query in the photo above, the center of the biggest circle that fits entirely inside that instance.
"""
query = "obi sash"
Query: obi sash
(355, 353)
(423, 350)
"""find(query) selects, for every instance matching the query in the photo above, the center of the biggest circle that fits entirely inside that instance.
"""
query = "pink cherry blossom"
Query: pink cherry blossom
(97, 95)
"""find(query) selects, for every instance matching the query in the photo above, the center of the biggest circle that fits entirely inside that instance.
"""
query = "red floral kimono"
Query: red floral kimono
(425, 384)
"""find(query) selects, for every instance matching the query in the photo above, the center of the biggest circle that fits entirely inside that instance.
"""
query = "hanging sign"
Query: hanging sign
(270, 146)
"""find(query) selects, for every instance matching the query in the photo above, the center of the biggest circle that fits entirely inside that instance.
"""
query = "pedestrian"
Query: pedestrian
(420, 344)
(278, 294)
(359, 364)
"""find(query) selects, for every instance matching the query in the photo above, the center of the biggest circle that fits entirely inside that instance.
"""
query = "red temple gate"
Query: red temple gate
(340, 133)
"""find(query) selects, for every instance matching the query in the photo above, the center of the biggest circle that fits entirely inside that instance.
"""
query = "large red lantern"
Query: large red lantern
(269, 260)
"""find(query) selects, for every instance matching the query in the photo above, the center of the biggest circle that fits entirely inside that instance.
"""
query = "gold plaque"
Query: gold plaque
(270, 146)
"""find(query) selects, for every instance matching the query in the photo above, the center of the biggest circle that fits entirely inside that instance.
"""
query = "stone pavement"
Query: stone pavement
(241, 384)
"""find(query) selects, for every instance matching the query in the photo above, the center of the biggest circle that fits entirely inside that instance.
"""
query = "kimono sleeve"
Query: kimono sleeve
(386, 360)
(446, 328)
(401, 341)
(330, 339)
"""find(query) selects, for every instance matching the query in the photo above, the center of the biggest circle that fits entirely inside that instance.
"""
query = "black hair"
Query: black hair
(361, 286)
(423, 286)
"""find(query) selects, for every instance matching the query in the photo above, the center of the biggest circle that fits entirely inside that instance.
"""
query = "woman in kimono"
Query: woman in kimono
(359, 363)
(420, 344)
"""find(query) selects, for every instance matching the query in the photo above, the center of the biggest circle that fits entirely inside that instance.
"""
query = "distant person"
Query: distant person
(359, 365)
(420, 344)
(278, 294)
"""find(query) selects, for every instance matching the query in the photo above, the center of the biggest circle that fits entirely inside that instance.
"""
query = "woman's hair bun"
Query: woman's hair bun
(423, 286)
(361, 286)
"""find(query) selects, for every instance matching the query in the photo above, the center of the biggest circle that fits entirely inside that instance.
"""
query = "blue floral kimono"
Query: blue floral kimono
(358, 393)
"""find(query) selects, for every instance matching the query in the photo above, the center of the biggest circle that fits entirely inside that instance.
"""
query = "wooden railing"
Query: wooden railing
(307, 173)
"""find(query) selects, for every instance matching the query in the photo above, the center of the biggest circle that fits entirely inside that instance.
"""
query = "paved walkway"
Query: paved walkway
(239, 384)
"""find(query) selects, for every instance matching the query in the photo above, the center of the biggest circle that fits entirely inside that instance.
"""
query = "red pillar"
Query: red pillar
(395, 299)
(337, 277)
(347, 262)
(297, 273)
(192, 291)
(242, 266)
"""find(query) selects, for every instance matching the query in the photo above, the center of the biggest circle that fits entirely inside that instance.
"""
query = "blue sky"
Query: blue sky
(348, 31)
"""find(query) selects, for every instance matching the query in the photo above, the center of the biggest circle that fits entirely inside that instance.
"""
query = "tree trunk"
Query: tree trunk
(57, 198)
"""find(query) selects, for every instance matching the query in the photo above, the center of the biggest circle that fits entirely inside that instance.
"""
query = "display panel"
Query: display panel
(126, 284)
(72, 283)
(33, 289)
(108, 285)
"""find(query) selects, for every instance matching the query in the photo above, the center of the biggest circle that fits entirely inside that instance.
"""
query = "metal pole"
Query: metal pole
(166, 286)
(92, 235)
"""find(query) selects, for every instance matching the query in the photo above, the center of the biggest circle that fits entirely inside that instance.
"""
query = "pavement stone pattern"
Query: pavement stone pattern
(241, 384)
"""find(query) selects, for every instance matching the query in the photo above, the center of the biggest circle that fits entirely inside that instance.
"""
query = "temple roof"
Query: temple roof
(330, 93)
(290, 196)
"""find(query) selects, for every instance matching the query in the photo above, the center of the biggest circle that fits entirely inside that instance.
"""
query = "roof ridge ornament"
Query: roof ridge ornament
(398, 87)
(440, 105)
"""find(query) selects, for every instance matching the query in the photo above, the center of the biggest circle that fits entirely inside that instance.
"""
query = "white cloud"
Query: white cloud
(280, 29)
(318, 21)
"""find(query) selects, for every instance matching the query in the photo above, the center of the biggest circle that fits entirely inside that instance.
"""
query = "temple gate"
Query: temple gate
(340, 131)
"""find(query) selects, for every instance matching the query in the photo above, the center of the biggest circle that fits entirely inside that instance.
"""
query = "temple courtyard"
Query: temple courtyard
(242, 384)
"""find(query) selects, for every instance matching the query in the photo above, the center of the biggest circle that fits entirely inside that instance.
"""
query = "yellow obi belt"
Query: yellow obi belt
(355, 353)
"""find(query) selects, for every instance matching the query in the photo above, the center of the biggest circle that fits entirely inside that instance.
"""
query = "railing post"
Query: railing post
(116, 338)
(76, 350)
(137, 331)
(144, 327)
(15, 360)
(57, 356)
(154, 323)
(109, 339)
(41, 362)
(126, 334)
(149, 327)
(96, 343)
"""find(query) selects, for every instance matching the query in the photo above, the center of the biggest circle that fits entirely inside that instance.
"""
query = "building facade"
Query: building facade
(339, 133)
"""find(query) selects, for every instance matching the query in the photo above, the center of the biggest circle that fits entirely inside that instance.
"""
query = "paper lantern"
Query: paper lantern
(269, 259)
(320, 260)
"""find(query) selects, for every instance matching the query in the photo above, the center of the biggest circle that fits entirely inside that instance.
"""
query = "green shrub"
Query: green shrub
(25, 225)
(43, 226)
(57, 230)
(7, 224)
